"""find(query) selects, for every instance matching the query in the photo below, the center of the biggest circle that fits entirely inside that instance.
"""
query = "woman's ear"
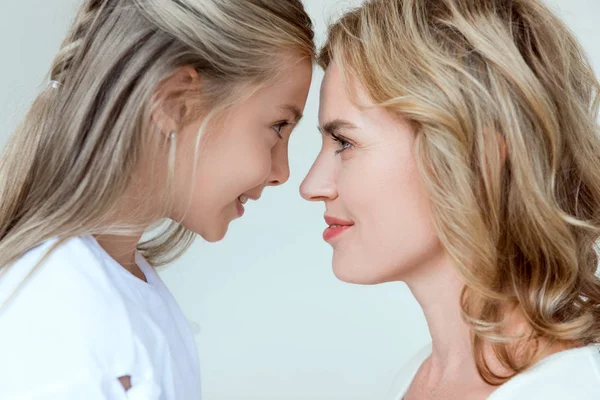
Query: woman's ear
(170, 105)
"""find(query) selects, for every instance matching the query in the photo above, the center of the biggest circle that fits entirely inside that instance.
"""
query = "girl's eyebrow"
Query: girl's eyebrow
(295, 112)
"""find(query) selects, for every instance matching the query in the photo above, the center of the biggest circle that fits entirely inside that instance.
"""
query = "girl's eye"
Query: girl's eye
(345, 145)
(278, 128)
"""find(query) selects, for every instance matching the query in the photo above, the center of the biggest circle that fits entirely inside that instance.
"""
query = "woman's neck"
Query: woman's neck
(437, 288)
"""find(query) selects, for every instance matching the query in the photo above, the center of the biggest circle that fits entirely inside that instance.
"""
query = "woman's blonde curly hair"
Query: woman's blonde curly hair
(505, 105)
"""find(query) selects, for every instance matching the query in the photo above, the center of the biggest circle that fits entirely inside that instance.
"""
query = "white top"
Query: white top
(570, 374)
(81, 321)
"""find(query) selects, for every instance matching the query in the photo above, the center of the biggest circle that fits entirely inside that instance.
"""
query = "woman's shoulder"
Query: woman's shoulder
(572, 374)
(406, 374)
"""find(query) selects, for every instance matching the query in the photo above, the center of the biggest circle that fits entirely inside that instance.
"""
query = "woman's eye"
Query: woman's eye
(345, 145)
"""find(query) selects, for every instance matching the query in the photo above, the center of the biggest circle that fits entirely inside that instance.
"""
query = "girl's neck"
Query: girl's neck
(122, 250)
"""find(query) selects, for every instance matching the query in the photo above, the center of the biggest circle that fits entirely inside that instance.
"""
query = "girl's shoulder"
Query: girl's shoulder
(52, 275)
(64, 319)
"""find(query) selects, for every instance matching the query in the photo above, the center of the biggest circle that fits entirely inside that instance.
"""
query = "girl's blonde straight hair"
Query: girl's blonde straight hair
(74, 155)
(505, 105)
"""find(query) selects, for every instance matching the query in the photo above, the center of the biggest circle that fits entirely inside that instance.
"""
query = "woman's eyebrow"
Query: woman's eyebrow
(332, 127)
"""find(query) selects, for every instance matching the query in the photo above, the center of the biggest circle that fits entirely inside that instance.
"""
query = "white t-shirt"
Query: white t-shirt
(81, 321)
(567, 375)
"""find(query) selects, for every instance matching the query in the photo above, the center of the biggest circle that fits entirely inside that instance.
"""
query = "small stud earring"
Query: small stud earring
(173, 135)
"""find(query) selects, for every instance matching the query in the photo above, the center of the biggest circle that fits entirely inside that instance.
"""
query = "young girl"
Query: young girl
(461, 156)
(157, 110)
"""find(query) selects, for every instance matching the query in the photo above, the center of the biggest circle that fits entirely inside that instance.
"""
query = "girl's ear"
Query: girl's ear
(170, 105)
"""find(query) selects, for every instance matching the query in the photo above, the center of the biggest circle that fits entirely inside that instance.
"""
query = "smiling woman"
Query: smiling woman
(157, 111)
(460, 156)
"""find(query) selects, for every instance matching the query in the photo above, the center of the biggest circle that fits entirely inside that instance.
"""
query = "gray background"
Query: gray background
(273, 321)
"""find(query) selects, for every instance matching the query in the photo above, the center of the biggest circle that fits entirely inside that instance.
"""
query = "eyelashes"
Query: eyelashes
(278, 128)
(343, 142)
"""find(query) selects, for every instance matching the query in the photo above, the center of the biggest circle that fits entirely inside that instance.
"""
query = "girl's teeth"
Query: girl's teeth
(243, 199)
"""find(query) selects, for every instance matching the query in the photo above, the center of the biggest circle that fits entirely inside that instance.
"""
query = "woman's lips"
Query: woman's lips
(336, 226)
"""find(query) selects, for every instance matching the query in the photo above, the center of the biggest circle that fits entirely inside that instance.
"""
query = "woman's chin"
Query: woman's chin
(356, 275)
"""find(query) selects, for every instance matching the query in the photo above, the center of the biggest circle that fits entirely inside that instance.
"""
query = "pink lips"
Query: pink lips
(240, 208)
(240, 205)
(336, 227)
